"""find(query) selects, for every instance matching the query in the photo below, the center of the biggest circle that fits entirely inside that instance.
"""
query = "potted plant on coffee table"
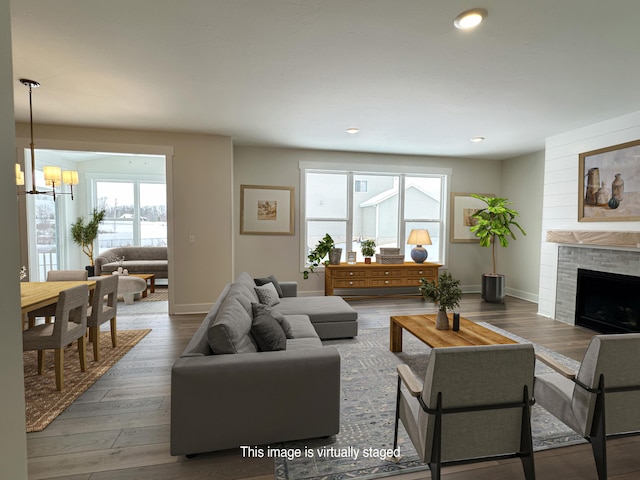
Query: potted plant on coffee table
(494, 225)
(326, 247)
(368, 249)
(445, 293)
(85, 234)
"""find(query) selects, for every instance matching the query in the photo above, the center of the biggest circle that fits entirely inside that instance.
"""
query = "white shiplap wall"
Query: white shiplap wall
(560, 199)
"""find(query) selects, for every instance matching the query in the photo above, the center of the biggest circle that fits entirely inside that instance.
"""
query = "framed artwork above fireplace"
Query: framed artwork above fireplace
(609, 184)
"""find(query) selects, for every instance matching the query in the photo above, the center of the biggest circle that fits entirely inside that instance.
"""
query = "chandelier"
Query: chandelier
(54, 176)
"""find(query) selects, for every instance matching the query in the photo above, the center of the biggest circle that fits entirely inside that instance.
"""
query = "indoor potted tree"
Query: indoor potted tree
(445, 293)
(494, 222)
(325, 247)
(368, 249)
(84, 234)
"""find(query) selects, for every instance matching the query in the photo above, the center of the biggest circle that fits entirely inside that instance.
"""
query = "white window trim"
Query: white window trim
(357, 168)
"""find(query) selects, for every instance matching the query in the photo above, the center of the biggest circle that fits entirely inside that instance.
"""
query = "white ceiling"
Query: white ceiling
(297, 73)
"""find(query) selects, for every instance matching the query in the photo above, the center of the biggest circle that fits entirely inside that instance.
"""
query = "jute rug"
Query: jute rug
(43, 402)
(367, 413)
(161, 294)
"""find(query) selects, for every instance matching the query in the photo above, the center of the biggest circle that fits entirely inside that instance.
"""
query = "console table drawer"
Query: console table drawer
(386, 273)
(351, 274)
(387, 282)
(346, 283)
(418, 272)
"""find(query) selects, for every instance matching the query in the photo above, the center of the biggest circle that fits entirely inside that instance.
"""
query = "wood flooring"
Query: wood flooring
(119, 429)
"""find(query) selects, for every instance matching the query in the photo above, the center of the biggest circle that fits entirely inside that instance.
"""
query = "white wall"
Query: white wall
(560, 202)
(280, 255)
(13, 443)
(522, 184)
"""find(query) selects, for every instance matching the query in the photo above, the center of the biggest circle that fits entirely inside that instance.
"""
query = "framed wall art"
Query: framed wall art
(463, 205)
(266, 210)
(609, 184)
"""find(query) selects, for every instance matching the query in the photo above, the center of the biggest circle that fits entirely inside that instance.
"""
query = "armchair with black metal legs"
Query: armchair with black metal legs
(474, 405)
(104, 307)
(601, 399)
(70, 324)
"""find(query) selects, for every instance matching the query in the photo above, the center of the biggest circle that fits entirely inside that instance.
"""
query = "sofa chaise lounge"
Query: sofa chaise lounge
(227, 393)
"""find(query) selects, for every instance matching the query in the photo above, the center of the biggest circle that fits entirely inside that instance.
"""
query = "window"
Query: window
(361, 186)
(382, 206)
(136, 213)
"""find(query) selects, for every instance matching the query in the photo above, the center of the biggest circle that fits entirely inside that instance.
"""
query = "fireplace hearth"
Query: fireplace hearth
(608, 302)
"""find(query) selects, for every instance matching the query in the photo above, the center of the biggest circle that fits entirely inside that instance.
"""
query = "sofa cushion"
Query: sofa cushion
(260, 309)
(229, 331)
(319, 309)
(270, 279)
(245, 279)
(240, 292)
(268, 333)
(301, 327)
(268, 295)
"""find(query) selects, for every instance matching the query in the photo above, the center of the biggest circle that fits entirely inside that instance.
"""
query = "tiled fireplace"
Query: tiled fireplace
(572, 258)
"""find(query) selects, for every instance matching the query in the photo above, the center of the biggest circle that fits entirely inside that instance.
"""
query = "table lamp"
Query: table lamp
(419, 237)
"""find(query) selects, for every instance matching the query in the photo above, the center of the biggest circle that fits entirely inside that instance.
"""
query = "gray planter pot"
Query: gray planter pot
(335, 256)
(493, 287)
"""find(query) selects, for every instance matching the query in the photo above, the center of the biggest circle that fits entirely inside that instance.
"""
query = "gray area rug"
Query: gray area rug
(368, 412)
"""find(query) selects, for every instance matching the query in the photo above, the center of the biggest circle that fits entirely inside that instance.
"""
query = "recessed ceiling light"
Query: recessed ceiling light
(352, 130)
(470, 18)
(477, 139)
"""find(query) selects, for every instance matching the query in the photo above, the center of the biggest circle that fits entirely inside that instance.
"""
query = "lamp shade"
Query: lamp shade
(419, 237)
(52, 174)
(70, 177)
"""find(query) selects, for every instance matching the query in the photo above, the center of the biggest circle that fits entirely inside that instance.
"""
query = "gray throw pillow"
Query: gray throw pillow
(270, 279)
(268, 295)
(259, 309)
(267, 333)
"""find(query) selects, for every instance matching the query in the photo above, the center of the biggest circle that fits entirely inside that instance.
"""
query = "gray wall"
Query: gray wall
(280, 255)
(13, 446)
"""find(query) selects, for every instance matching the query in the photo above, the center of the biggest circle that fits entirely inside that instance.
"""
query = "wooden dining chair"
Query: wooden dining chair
(70, 324)
(104, 307)
(56, 276)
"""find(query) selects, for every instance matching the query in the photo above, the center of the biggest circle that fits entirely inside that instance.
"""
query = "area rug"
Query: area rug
(367, 413)
(161, 294)
(43, 402)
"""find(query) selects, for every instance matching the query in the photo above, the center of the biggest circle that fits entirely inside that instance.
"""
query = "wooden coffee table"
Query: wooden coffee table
(424, 328)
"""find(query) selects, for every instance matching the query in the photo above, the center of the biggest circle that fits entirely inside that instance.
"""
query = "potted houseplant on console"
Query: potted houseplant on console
(445, 293)
(85, 234)
(325, 247)
(494, 224)
(368, 249)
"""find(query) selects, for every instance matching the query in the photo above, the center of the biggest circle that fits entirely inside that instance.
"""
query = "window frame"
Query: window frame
(359, 169)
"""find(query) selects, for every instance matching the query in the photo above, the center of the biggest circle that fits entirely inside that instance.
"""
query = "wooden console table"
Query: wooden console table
(378, 275)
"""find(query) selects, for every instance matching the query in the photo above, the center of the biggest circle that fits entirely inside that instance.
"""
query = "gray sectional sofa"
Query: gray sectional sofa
(136, 260)
(227, 393)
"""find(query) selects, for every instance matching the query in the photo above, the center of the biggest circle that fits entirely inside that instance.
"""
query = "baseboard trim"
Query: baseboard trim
(190, 309)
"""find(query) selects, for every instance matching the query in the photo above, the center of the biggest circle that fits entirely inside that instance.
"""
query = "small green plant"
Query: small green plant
(368, 248)
(445, 293)
(84, 234)
(318, 254)
(495, 222)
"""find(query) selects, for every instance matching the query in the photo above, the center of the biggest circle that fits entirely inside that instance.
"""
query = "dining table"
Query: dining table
(35, 295)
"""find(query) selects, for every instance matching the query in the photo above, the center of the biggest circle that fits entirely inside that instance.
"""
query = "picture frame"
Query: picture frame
(351, 257)
(462, 206)
(602, 193)
(266, 210)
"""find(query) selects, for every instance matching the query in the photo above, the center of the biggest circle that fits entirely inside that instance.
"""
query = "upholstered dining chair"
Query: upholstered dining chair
(602, 397)
(103, 308)
(56, 276)
(474, 405)
(70, 324)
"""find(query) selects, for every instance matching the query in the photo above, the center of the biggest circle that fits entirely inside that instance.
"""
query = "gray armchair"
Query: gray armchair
(474, 405)
(70, 324)
(600, 399)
